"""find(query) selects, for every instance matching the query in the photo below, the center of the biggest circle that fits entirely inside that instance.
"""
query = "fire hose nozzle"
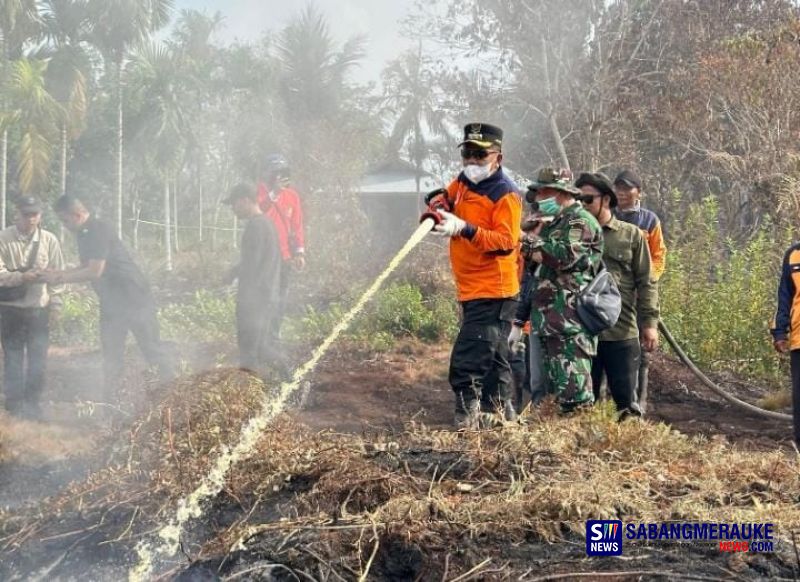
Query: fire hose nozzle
(430, 214)
(436, 200)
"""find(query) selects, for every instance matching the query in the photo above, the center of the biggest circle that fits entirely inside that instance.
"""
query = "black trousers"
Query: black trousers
(795, 367)
(480, 354)
(116, 321)
(25, 336)
(278, 312)
(520, 372)
(257, 344)
(619, 361)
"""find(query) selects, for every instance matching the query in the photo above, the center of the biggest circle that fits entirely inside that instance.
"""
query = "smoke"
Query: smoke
(81, 429)
(377, 20)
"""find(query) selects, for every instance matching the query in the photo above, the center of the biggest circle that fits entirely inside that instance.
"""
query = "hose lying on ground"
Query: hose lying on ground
(711, 385)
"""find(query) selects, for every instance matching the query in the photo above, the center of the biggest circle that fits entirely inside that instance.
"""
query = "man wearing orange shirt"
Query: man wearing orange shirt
(281, 203)
(628, 189)
(483, 223)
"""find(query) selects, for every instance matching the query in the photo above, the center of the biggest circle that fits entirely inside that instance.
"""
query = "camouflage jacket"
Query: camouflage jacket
(572, 249)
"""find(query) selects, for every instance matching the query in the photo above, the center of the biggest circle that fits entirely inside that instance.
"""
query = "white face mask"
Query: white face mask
(476, 173)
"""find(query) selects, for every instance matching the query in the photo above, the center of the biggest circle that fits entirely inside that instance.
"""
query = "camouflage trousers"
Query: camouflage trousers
(568, 368)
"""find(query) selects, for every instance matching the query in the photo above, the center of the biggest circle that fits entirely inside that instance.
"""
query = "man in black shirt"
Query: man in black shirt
(258, 294)
(126, 301)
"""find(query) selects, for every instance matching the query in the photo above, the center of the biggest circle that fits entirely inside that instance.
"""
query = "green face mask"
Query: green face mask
(549, 206)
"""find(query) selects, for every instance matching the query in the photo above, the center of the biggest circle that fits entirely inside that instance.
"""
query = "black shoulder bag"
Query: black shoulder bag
(18, 292)
(599, 302)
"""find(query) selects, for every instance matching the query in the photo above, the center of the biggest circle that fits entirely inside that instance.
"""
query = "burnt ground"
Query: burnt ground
(679, 399)
(383, 392)
(361, 393)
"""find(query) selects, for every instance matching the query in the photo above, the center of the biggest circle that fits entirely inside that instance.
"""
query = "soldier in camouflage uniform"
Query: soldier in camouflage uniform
(569, 249)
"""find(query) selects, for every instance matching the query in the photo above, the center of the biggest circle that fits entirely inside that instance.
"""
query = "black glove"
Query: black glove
(528, 246)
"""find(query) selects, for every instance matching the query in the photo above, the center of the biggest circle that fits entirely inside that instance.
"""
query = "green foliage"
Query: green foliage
(78, 324)
(208, 316)
(397, 312)
(718, 297)
(402, 311)
(443, 322)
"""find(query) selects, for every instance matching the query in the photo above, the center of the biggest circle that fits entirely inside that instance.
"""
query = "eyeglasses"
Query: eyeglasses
(475, 154)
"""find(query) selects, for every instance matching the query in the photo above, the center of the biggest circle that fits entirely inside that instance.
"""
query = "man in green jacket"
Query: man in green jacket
(628, 260)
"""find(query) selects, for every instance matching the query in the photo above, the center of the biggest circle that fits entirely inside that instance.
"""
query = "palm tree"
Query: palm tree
(192, 43)
(162, 124)
(118, 26)
(36, 114)
(193, 34)
(410, 96)
(18, 24)
(67, 25)
(314, 68)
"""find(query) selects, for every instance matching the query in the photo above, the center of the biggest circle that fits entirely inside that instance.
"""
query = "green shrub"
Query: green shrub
(718, 297)
(78, 324)
(398, 311)
(210, 315)
(402, 311)
(313, 325)
(443, 322)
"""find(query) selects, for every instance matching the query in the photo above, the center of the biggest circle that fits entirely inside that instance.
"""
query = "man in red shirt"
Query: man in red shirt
(281, 203)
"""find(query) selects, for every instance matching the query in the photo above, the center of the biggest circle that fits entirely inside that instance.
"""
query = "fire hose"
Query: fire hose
(712, 385)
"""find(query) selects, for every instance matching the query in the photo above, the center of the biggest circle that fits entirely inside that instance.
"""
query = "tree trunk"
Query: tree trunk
(551, 108)
(4, 178)
(120, 136)
(175, 215)
(167, 227)
(235, 232)
(63, 191)
(200, 218)
(64, 147)
(137, 214)
(216, 229)
(562, 151)
(417, 179)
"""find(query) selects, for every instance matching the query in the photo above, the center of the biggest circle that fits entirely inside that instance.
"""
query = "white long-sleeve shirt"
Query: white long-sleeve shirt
(15, 248)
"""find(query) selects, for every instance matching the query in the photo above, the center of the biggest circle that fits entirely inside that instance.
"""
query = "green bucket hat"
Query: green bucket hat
(552, 178)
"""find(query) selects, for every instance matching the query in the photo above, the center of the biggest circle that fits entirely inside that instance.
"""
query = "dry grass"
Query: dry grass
(308, 499)
(776, 400)
(32, 443)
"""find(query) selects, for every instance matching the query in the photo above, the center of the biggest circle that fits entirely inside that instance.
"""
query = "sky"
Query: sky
(378, 19)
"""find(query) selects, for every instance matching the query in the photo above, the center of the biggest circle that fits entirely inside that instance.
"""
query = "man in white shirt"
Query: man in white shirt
(26, 306)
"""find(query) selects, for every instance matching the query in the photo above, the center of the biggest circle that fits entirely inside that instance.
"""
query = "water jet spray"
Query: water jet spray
(167, 542)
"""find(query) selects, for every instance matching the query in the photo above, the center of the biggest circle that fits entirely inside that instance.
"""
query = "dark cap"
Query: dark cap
(599, 182)
(276, 162)
(29, 205)
(551, 178)
(482, 135)
(629, 179)
(241, 191)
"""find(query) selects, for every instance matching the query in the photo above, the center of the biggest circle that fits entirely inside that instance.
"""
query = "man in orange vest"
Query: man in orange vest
(786, 328)
(628, 189)
(483, 223)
